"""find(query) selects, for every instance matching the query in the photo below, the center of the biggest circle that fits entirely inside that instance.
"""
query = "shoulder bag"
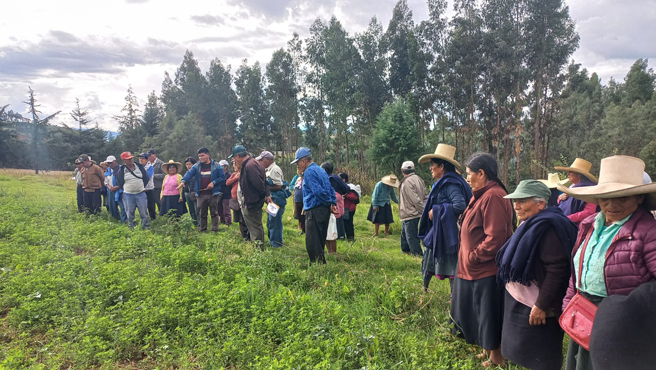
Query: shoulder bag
(578, 316)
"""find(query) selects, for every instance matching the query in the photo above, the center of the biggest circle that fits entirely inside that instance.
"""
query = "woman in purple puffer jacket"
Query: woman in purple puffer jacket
(615, 251)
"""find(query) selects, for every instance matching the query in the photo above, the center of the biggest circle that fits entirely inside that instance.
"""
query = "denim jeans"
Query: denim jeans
(112, 206)
(274, 227)
(140, 202)
(121, 206)
(409, 240)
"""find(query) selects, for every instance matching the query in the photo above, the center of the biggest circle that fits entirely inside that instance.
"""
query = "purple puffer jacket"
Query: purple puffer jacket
(631, 257)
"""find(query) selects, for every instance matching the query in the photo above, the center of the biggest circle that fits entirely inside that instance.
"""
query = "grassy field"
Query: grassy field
(78, 292)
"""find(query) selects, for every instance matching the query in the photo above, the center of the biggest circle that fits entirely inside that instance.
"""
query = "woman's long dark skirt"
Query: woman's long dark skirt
(171, 203)
(384, 215)
(477, 311)
(535, 347)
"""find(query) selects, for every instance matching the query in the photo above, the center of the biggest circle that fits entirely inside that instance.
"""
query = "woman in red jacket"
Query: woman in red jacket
(615, 251)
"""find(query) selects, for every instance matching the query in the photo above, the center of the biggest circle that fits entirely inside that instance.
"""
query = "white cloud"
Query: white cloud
(93, 50)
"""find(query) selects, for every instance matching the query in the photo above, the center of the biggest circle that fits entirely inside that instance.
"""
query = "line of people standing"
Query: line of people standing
(517, 265)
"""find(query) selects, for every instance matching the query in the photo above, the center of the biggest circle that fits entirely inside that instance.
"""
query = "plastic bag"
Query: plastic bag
(332, 228)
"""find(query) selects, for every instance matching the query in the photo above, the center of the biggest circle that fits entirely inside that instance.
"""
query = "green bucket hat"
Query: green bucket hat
(530, 189)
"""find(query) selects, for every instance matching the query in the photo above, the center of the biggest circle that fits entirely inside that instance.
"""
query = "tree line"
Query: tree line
(496, 77)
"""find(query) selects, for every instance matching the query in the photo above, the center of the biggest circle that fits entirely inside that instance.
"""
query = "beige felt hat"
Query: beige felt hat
(390, 180)
(165, 165)
(619, 176)
(580, 166)
(445, 152)
(553, 180)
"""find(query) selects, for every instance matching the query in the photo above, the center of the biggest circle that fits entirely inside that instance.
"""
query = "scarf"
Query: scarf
(434, 232)
(516, 259)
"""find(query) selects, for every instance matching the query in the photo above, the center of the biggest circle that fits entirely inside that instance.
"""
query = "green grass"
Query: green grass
(78, 292)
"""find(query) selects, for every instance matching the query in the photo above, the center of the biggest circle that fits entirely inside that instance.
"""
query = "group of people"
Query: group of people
(516, 262)
(527, 266)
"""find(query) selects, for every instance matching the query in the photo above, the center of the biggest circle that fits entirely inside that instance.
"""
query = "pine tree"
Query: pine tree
(79, 115)
(152, 115)
(39, 127)
(130, 123)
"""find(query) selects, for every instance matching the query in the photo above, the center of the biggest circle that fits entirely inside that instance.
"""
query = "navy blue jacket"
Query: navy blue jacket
(218, 178)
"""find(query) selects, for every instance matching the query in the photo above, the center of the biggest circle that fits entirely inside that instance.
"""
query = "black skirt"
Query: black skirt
(383, 216)
(170, 204)
(534, 347)
(477, 311)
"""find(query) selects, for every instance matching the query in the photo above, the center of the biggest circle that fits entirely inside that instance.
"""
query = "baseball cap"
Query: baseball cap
(223, 162)
(83, 158)
(530, 189)
(408, 165)
(126, 155)
(238, 149)
(110, 159)
(77, 161)
(302, 152)
(265, 154)
(152, 151)
(143, 155)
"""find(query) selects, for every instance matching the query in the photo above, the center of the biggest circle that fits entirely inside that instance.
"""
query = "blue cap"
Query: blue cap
(302, 152)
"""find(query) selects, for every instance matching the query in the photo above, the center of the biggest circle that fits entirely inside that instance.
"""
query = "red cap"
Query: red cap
(126, 155)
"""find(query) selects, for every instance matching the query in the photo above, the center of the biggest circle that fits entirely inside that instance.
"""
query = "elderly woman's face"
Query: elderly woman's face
(617, 209)
(527, 208)
(437, 171)
(173, 170)
(574, 177)
(476, 179)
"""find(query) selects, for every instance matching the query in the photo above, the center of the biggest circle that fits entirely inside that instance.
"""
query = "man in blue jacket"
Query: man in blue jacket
(318, 202)
(209, 179)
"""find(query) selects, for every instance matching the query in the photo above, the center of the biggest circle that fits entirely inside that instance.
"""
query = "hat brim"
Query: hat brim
(166, 165)
(130, 157)
(554, 185)
(387, 181)
(426, 158)
(591, 194)
(295, 160)
(590, 176)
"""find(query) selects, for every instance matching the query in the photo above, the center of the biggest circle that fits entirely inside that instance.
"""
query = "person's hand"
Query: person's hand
(376, 209)
(537, 316)
(333, 209)
(210, 186)
(562, 197)
(182, 184)
(180, 200)
(267, 200)
(430, 214)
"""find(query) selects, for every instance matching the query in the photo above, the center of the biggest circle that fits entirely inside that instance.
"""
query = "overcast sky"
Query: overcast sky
(93, 50)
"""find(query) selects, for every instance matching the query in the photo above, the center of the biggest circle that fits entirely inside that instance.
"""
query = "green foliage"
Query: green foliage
(78, 292)
(395, 139)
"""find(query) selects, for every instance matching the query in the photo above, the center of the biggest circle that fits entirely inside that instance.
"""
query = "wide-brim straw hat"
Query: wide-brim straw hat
(390, 180)
(581, 166)
(165, 165)
(553, 180)
(445, 152)
(619, 176)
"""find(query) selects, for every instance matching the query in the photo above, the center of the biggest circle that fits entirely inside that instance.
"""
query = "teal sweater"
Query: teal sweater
(382, 195)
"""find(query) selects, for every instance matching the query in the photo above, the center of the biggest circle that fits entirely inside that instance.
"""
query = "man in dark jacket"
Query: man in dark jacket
(255, 190)
(224, 205)
(158, 177)
(209, 180)
(132, 179)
